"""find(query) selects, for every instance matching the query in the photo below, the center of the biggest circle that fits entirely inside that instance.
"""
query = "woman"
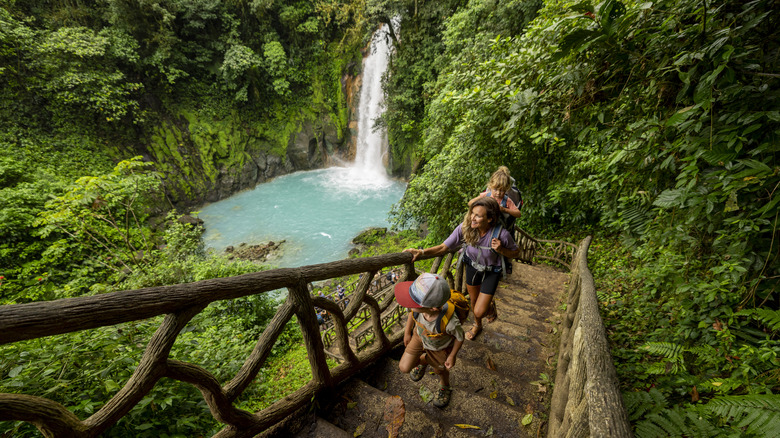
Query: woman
(482, 256)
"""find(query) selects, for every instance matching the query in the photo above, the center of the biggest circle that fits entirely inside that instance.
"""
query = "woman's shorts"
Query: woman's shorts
(487, 279)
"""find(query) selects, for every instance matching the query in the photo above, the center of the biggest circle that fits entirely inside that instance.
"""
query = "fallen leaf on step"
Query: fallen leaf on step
(351, 405)
(510, 401)
(494, 394)
(542, 388)
(490, 364)
(394, 415)
(425, 394)
(359, 431)
(527, 419)
(489, 431)
(467, 426)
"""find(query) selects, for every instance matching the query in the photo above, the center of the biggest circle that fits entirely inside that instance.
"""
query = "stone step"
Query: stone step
(472, 378)
(359, 407)
(479, 397)
(322, 428)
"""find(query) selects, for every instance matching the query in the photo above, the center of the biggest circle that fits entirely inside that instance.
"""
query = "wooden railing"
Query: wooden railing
(583, 344)
(532, 249)
(180, 304)
(586, 400)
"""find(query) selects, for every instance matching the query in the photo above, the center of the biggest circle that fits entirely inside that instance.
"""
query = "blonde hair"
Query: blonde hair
(500, 180)
(471, 235)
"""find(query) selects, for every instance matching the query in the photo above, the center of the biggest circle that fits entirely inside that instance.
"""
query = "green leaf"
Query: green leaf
(15, 371)
(528, 419)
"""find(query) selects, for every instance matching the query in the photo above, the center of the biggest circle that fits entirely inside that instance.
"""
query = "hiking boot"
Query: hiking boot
(417, 373)
(442, 397)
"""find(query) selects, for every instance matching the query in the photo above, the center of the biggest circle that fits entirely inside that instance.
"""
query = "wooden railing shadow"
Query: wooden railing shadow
(180, 303)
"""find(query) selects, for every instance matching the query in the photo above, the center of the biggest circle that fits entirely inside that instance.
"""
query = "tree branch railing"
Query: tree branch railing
(573, 399)
(586, 400)
(180, 303)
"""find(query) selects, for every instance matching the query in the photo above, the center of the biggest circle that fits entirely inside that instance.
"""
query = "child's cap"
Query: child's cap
(428, 290)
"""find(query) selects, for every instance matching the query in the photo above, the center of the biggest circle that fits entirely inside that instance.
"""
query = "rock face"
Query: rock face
(255, 253)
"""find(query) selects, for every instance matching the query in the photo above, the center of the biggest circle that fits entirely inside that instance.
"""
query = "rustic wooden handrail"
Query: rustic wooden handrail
(586, 400)
(180, 303)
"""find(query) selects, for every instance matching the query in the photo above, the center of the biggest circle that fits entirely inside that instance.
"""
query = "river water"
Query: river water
(317, 213)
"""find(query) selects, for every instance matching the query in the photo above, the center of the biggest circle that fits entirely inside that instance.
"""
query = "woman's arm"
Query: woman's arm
(432, 251)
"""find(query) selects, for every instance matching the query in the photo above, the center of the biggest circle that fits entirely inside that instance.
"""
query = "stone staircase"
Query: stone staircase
(498, 385)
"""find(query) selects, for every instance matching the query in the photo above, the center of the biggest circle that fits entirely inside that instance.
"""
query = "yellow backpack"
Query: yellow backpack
(457, 304)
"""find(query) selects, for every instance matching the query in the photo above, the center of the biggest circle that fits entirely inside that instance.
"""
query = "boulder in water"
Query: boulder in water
(255, 253)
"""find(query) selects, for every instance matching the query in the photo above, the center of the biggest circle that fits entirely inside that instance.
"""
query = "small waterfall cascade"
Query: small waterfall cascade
(369, 166)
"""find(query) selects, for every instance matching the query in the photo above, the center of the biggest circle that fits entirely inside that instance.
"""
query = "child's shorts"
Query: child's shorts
(434, 358)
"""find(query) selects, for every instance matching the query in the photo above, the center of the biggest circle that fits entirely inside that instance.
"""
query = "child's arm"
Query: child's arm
(475, 198)
(514, 212)
(408, 328)
(450, 362)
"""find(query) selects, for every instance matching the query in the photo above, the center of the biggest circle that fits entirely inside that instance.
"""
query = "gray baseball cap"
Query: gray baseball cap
(428, 290)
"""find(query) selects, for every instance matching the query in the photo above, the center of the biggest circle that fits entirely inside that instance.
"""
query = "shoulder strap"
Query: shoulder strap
(496, 233)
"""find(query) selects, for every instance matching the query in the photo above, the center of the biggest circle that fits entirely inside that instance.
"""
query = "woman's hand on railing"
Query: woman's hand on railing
(415, 252)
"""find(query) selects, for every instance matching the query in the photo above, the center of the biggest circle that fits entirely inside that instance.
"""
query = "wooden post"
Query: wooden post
(304, 310)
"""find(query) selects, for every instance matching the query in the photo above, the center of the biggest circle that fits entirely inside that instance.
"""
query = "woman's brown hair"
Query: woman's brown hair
(471, 235)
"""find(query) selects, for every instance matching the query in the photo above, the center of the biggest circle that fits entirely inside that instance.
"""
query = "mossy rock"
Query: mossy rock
(370, 236)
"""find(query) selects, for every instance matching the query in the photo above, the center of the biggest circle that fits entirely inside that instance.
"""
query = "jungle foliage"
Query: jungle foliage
(87, 91)
(657, 126)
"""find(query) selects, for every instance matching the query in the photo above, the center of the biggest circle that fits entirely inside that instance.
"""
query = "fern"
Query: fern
(757, 414)
(674, 354)
(636, 217)
(677, 422)
(770, 318)
(640, 403)
(665, 349)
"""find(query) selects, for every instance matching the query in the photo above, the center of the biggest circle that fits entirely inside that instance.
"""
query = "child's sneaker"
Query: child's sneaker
(418, 372)
(442, 397)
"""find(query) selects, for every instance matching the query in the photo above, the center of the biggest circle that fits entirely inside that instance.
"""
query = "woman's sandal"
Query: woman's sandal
(493, 315)
(473, 332)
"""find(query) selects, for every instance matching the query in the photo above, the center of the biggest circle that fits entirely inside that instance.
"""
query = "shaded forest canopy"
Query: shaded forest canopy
(654, 125)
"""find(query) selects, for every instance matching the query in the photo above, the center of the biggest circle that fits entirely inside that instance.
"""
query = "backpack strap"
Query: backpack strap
(441, 321)
(496, 233)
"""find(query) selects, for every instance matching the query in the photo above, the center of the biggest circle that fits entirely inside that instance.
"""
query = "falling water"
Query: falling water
(317, 213)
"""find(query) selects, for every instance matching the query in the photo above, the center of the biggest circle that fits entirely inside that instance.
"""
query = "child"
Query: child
(500, 183)
(424, 346)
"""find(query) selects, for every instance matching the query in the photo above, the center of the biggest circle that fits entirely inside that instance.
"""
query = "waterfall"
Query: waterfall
(368, 171)
(372, 143)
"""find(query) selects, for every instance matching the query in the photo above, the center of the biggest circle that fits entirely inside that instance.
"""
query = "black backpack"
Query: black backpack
(507, 220)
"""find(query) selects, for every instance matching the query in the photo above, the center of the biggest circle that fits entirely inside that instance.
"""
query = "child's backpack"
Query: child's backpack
(457, 304)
